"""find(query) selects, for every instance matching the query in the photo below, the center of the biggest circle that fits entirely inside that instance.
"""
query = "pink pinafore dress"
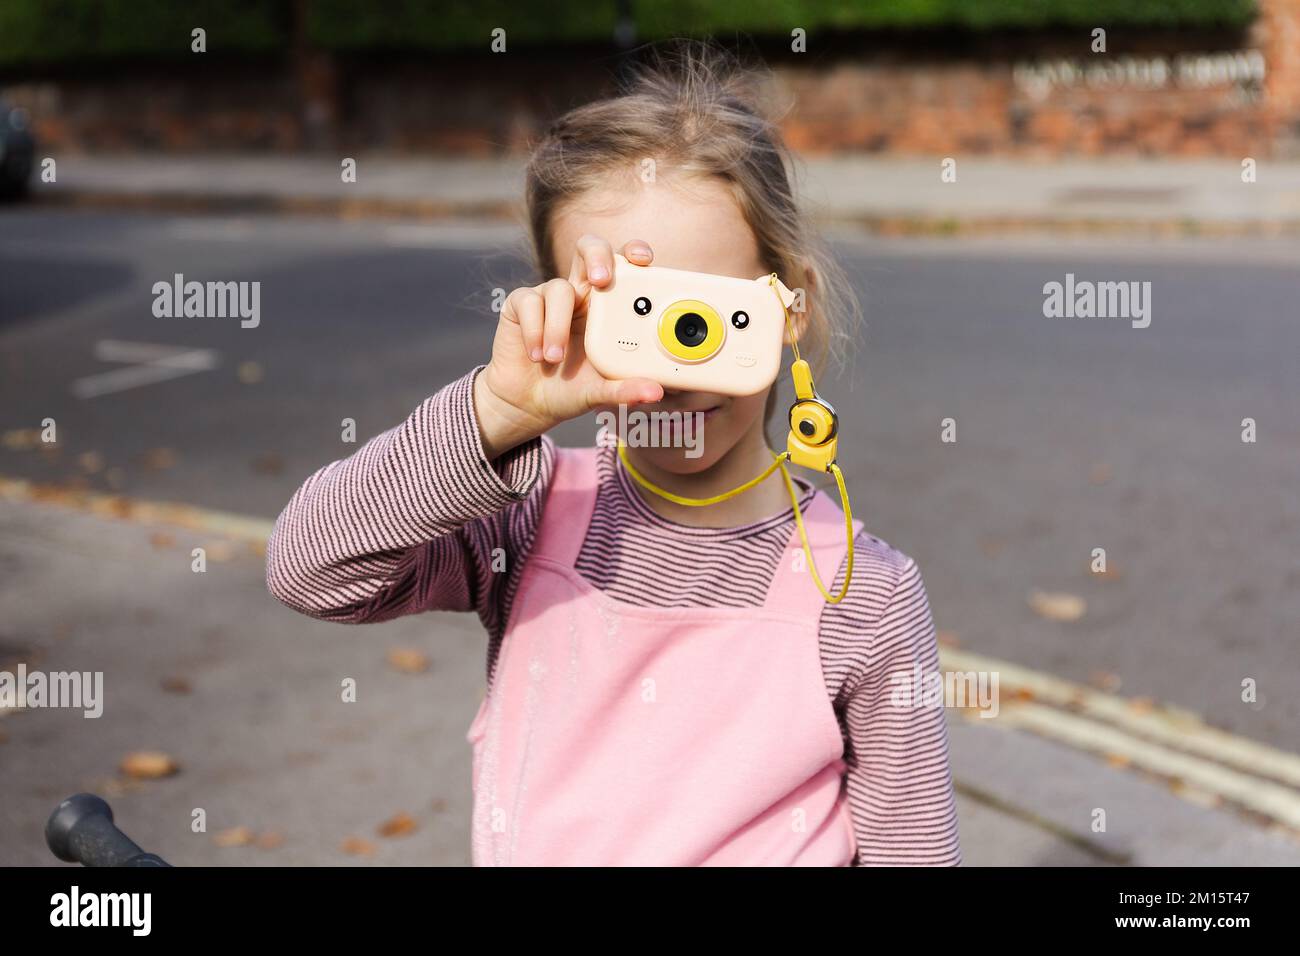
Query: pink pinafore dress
(614, 734)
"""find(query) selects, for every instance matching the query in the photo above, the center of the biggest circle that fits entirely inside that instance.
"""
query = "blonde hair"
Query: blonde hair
(693, 109)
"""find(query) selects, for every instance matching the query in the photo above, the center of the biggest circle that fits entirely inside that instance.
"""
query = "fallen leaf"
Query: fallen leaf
(1099, 474)
(235, 836)
(1118, 760)
(439, 805)
(161, 540)
(1057, 606)
(21, 439)
(1142, 705)
(90, 462)
(403, 824)
(112, 506)
(176, 685)
(408, 660)
(355, 846)
(148, 765)
(269, 840)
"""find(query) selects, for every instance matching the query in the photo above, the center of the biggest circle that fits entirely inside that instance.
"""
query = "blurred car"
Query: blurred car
(17, 149)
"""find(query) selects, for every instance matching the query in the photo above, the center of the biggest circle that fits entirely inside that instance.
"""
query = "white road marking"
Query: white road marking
(1170, 726)
(104, 504)
(1273, 800)
(1167, 741)
(149, 364)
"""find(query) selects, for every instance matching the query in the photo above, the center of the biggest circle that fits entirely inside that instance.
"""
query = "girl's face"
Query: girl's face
(690, 223)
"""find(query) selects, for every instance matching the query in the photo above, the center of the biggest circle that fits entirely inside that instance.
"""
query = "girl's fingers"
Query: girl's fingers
(527, 308)
(559, 297)
(638, 252)
(593, 265)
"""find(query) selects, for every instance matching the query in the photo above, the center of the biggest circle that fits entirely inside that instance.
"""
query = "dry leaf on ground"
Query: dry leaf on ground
(235, 836)
(1057, 605)
(408, 660)
(148, 765)
(355, 846)
(403, 824)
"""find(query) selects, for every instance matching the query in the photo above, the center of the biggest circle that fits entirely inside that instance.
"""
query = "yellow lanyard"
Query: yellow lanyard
(780, 460)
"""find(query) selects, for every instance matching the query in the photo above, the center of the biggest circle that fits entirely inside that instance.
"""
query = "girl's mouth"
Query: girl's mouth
(688, 421)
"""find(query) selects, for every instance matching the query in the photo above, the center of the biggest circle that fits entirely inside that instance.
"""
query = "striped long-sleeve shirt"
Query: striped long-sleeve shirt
(418, 519)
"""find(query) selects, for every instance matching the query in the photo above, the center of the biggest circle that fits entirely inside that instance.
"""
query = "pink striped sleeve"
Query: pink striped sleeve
(899, 782)
(417, 519)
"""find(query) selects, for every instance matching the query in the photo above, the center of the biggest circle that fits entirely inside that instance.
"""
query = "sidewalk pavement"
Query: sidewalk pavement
(244, 696)
(895, 196)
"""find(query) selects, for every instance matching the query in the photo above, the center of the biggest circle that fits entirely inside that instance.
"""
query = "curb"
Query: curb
(497, 211)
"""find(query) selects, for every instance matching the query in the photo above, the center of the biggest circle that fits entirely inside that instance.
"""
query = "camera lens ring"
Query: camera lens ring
(691, 331)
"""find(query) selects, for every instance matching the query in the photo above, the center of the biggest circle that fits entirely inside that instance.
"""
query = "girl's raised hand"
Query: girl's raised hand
(539, 375)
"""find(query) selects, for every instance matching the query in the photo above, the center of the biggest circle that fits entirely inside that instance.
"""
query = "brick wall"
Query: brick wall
(1179, 93)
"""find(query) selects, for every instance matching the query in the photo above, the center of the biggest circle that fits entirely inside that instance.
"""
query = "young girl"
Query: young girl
(666, 684)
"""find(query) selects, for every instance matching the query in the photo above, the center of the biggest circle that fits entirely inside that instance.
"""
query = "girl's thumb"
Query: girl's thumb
(630, 391)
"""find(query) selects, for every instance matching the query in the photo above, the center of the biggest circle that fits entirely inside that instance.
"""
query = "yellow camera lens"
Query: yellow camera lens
(690, 330)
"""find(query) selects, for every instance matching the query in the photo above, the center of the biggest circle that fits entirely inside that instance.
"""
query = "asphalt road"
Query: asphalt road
(1072, 434)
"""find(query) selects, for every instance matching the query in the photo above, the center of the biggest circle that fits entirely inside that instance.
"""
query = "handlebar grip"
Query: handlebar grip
(81, 830)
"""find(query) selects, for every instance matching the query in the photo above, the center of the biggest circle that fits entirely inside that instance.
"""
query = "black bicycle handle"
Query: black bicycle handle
(81, 830)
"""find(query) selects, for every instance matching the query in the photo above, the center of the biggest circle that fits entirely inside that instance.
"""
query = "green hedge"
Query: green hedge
(665, 17)
(75, 31)
(68, 31)
(418, 24)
